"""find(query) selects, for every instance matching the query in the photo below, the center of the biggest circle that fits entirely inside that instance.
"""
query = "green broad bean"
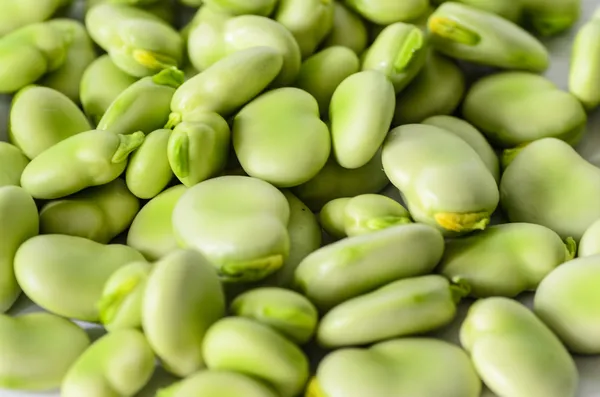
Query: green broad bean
(18, 223)
(150, 159)
(505, 260)
(361, 111)
(584, 76)
(270, 131)
(388, 12)
(15, 14)
(287, 312)
(550, 184)
(227, 85)
(84, 160)
(217, 36)
(101, 83)
(37, 350)
(99, 213)
(198, 150)
(567, 301)
(151, 231)
(508, 9)
(118, 364)
(30, 52)
(550, 17)
(514, 353)
(81, 53)
(41, 117)
(349, 30)
(468, 33)
(66, 274)
(259, 352)
(239, 223)
(12, 164)
(438, 89)
(323, 72)
(335, 181)
(143, 106)
(369, 213)
(399, 52)
(243, 7)
(441, 177)
(590, 241)
(310, 21)
(357, 265)
(121, 303)
(514, 108)
(182, 299)
(138, 42)
(416, 367)
(332, 217)
(217, 383)
(162, 9)
(406, 307)
(472, 136)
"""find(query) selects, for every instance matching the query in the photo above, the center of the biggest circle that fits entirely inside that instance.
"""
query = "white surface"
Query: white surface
(589, 367)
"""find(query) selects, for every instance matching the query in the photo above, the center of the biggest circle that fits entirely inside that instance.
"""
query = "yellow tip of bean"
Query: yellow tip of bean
(453, 30)
(462, 222)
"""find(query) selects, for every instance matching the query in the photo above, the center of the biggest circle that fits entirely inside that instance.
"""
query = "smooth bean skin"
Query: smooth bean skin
(143, 106)
(99, 213)
(227, 85)
(442, 179)
(309, 21)
(549, 18)
(66, 274)
(505, 8)
(335, 181)
(305, 237)
(348, 30)
(361, 111)
(151, 231)
(217, 383)
(369, 213)
(437, 90)
(162, 9)
(388, 12)
(472, 136)
(270, 131)
(243, 7)
(332, 217)
(37, 350)
(399, 52)
(198, 150)
(514, 353)
(31, 51)
(121, 302)
(80, 54)
(405, 307)
(15, 14)
(357, 265)
(41, 117)
(18, 223)
(550, 184)
(138, 42)
(12, 164)
(84, 160)
(505, 260)
(182, 299)
(567, 301)
(206, 29)
(287, 312)
(468, 33)
(250, 348)
(239, 223)
(416, 367)
(150, 159)
(323, 72)
(118, 364)
(514, 108)
(217, 36)
(101, 83)
(590, 241)
(584, 75)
